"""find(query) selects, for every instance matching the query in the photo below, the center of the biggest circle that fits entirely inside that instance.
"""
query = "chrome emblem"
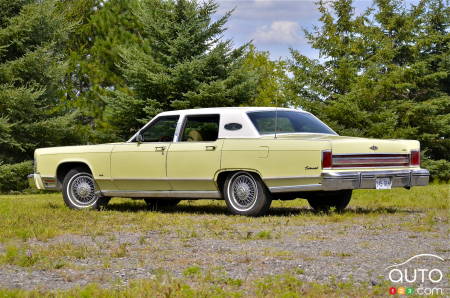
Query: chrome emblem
(374, 148)
(311, 168)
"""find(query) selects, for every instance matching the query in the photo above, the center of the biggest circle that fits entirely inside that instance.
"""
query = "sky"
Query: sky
(276, 25)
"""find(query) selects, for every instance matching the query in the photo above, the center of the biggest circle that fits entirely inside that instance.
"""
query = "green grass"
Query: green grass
(192, 271)
(44, 216)
(217, 285)
(263, 235)
(55, 256)
(213, 284)
(27, 218)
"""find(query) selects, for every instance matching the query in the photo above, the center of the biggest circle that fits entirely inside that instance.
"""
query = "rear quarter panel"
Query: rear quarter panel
(278, 161)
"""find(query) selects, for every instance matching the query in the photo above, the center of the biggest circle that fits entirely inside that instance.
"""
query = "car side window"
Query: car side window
(201, 128)
(162, 130)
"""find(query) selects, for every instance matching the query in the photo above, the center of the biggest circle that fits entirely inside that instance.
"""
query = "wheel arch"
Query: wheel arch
(222, 175)
(65, 166)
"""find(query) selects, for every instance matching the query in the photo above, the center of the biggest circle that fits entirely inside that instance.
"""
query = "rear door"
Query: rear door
(142, 166)
(193, 160)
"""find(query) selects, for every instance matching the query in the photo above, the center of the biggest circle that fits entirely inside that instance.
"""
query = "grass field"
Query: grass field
(32, 225)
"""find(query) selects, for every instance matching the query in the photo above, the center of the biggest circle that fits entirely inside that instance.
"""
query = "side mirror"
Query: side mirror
(139, 138)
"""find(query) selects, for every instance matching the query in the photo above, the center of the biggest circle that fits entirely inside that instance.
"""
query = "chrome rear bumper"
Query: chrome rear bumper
(366, 180)
(330, 181)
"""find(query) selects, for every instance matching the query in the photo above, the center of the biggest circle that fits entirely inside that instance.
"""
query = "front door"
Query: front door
(193, 160)
(141, 166)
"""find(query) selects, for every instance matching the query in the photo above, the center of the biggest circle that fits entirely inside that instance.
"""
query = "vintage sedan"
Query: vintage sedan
(246, 156)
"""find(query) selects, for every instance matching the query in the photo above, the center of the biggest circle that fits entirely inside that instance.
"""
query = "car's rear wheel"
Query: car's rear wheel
(246, 194)
(79, 190)
(155, 204)
(324, 201)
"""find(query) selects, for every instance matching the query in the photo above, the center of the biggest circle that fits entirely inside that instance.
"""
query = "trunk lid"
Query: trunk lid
(356, 145)
(351, 152)
(349, 145)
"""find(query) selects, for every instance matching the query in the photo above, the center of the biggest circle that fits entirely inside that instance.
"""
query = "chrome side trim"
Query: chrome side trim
(155, 179)
(295, 188)
(213, 194)
(291, 177)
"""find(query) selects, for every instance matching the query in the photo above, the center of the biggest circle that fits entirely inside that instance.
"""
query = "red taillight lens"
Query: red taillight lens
(327, 159)
(415, 158)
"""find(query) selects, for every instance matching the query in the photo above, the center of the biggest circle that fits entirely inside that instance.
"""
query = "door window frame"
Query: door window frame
(183, 120)
(154, 120)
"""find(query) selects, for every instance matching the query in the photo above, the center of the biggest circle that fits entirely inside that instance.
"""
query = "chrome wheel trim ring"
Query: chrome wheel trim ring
(242, 191)
(81, 190)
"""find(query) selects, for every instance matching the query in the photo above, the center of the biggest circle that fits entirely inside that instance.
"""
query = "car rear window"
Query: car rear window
(267, 122)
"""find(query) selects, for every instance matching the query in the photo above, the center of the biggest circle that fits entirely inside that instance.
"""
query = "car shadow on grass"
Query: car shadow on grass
(215, 209)
(283, 211)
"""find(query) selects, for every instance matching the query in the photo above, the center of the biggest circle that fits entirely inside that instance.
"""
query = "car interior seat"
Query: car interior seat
(194, 136)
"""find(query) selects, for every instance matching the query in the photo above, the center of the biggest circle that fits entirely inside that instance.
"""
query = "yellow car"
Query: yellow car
(246, 156)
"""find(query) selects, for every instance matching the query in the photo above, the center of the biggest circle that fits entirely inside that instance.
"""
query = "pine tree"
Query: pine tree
(181, 62)
(390, 79)
(32, 43)
(103, 28)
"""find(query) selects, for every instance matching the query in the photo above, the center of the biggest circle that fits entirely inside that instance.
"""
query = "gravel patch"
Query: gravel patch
(356, 250)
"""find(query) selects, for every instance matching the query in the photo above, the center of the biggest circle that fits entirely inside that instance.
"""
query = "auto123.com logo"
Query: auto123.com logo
(405, 278)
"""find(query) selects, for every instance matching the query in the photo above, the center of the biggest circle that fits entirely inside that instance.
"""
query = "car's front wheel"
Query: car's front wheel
(79, 191)
(246, 194)
(325, 200)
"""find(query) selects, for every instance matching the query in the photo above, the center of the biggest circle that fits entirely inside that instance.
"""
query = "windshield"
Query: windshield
(287, 122)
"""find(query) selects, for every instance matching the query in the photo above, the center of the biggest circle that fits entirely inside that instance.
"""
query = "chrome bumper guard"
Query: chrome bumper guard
(366, 180)
(36, 181)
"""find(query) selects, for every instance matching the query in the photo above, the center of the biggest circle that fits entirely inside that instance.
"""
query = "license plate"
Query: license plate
(383, 183)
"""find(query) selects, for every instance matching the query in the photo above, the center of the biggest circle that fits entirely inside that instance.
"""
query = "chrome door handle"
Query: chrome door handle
(160, 148)
(210, 148)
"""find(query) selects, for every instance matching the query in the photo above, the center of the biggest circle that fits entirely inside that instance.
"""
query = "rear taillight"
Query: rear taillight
(415, 158)
(327, 159)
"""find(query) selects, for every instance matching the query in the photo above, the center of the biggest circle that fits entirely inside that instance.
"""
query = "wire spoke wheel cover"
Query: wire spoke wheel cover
(242, 191)
(81, 190)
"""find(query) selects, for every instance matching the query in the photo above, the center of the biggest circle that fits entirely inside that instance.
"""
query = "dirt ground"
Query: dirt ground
(354, 247)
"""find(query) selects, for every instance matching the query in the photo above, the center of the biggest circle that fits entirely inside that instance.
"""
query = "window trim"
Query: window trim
(183, 125)
(153, 121)
(289, 133)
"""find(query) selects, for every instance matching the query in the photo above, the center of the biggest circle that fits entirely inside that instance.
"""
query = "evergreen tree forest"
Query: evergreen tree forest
(94, 71)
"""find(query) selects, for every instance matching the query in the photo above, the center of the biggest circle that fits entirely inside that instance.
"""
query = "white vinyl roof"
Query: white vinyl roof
(230, 115)
(224, 110)
(227, 115)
